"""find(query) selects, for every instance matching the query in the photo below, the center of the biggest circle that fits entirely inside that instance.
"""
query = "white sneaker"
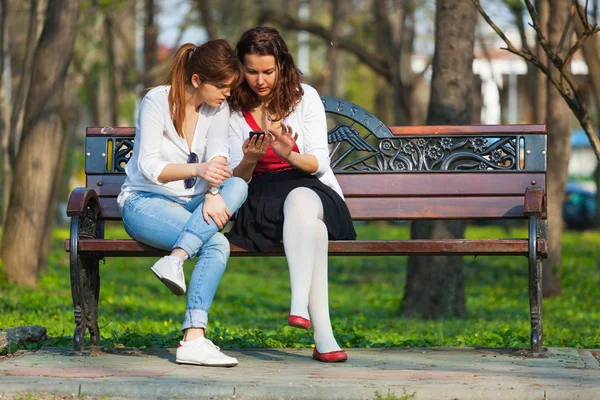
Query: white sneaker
(203, 352)
(169, 270)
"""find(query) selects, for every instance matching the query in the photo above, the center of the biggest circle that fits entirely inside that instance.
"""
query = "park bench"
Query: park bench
(478, 172)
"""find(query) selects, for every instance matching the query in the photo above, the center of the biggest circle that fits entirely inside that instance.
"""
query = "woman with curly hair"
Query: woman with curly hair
(278, 134)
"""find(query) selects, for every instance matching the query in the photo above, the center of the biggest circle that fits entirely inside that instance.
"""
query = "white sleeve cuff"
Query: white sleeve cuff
(322, 161)
(218, 154)
(153, 173)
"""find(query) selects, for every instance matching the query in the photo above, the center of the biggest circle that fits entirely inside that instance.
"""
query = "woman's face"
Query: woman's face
(213, 94)
(261, 74)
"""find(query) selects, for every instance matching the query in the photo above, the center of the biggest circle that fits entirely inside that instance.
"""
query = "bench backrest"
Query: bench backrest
(388, 173)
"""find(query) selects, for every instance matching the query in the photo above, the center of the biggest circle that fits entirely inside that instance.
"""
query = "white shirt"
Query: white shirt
(157, 144)
(308, 120)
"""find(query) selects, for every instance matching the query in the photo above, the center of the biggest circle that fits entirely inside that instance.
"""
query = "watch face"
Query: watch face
(214, 190)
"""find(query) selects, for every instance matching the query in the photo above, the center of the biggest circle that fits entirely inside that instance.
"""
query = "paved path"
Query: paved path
(436, 373)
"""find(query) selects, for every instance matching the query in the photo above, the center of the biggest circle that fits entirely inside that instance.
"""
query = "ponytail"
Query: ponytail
(177, 78)
(214, 62)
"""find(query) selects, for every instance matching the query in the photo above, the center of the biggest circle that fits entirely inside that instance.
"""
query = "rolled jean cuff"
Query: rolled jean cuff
(195, 318)
(189, 242)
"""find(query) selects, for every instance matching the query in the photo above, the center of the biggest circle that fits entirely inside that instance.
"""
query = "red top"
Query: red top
(269, 161)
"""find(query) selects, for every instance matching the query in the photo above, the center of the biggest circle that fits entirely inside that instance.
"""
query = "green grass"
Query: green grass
(251, 305)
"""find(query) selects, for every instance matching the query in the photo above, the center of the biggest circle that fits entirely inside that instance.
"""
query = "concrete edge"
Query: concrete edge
(588, 359)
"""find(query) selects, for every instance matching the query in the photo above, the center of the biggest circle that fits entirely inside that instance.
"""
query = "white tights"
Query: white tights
(305, 241)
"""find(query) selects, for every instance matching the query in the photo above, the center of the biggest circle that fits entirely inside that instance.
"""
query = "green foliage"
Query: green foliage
(392, 396)
(252, 303)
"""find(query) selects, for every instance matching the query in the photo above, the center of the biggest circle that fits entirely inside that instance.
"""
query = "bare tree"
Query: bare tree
(561, 84)
(558, 120)
(43, 138)
(564, 82)
(435, 285)
(592, 59)
(536, 81)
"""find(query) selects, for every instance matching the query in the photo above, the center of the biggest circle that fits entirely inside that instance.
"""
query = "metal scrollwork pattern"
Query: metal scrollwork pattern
(377, 149)
(454, 153)
(87, 222)
(123, 151)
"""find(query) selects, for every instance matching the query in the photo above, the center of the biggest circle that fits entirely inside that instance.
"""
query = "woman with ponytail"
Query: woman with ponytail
(179, 192)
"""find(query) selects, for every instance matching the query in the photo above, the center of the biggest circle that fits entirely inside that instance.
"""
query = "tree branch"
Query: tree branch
(374, 61)
(572, 95)
(566, 30)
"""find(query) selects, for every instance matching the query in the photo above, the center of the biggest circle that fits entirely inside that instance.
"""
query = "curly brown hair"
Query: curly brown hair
(287, 93)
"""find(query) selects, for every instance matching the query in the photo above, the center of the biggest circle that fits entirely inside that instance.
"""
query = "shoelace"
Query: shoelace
(212, 344)
(178, 267)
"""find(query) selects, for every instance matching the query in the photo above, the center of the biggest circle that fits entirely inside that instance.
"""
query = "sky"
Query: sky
(170, 18)
(173, 13)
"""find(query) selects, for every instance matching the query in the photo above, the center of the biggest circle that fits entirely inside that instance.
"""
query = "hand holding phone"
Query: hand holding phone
(253, 133)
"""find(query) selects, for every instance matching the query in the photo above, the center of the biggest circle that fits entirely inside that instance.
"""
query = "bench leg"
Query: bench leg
(535, 288)
(91, 291)
(85, 282)
(76, 286)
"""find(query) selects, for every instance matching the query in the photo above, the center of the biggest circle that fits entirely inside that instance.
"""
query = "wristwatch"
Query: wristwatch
(213, 190)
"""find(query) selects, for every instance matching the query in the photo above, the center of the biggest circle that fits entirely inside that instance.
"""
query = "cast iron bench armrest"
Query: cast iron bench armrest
(81, 198)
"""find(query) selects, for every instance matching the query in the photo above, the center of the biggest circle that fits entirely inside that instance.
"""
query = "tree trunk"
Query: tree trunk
(16, 119)
(5, 111)
(112, 106)
(3, 13)
(150, 44)
(46, 245)
(592, 59)
(390, 44)
(536, 81)
(327, 78)
(207, 20)
(14, 125)
(435, 285)
(541, 94)
(559, 152)
(39, 155)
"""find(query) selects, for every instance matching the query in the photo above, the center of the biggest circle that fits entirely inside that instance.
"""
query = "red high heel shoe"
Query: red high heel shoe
(332, 356)
(298, 322)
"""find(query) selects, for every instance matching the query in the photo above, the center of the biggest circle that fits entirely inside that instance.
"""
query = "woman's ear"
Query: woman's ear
(196, 81)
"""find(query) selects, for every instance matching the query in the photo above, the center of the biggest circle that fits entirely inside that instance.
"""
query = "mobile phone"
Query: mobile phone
(252, 133)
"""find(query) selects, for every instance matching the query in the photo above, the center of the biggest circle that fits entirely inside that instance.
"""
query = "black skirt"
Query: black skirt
(259, 222)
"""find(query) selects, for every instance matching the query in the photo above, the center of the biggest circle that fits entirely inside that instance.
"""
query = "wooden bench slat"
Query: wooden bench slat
(110, 131)
(519, 129)
(132, 248)
(439, 184)
(401, 184)
(388, 208)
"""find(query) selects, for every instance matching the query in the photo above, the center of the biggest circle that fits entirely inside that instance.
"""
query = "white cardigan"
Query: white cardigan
(308, 120)
(157, 144)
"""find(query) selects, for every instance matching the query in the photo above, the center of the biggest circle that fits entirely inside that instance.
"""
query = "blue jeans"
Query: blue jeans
(170, 222)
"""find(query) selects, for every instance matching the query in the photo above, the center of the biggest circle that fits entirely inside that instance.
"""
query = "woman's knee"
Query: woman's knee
(219, 244)
(302, 202)
(236, 190)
